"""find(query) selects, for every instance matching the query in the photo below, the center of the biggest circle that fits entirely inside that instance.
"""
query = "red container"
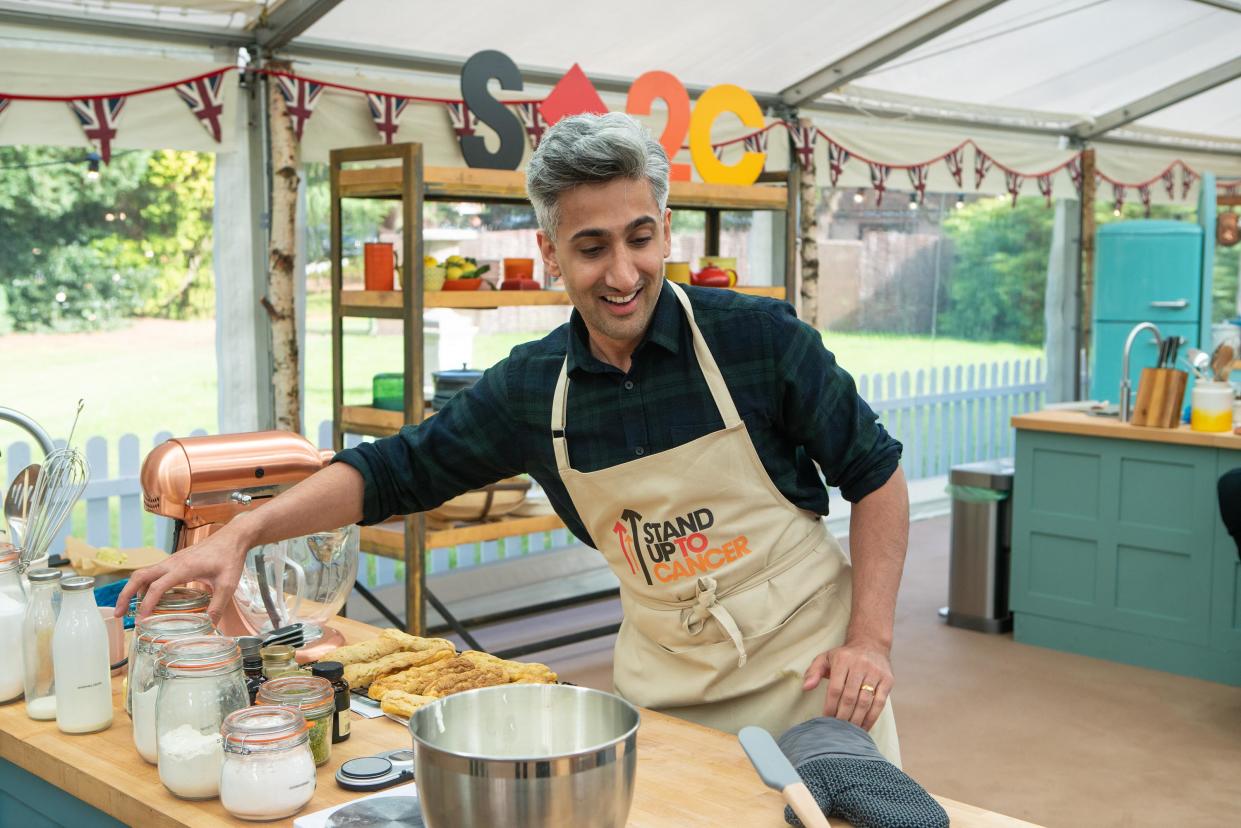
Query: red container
(518, 269)
(378, 266)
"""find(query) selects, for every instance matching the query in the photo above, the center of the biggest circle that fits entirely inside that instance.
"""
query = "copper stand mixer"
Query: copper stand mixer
(204, 482)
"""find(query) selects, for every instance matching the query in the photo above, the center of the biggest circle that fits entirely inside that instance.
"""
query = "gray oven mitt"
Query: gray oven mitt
(850, 779)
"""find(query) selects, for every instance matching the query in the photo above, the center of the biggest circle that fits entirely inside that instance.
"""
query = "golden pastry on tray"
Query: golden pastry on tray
(401, 704)
(364, 675)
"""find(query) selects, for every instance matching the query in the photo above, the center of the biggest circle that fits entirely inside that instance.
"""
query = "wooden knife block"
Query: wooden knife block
(1160, 394)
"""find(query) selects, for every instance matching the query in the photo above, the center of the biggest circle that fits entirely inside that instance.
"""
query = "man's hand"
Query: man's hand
(216, 562)
(859, 677)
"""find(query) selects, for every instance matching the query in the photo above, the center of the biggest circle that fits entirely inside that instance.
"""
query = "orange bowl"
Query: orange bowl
(462, 284)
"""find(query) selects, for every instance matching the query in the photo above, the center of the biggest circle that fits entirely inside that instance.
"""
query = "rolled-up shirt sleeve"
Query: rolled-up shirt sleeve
(821, 410)
(466, 445)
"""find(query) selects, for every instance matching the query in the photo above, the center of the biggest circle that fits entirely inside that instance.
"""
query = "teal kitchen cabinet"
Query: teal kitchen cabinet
(1226, 577)
(1119, 553)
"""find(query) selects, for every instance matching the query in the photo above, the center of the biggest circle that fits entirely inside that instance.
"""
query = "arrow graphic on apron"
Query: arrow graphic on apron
(633, 518)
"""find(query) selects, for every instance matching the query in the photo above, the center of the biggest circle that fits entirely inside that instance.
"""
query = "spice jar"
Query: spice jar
(200, 682)
(315, 698)
(252, 663)
(178, 600)
(334, 672)
(152, 633)
(279, 660)
(37, 628)
(269, 771)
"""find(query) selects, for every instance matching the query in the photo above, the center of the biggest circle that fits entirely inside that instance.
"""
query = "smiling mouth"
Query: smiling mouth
(621, 301)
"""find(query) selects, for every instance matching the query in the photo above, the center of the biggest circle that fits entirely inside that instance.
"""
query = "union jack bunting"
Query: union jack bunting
(300, 96)
(459, 114)
(386, 111)
(531, 118)
(1044, 186)
(1169, 182)
(98, 117)
(837, 156)
(757, 142)
(1075, 173)
(1144, 193)
(202, 96)
(1188, 177)
(879, 180)
(955, 161)
(4, 104)
(718, 149)
(1118, 196)
(982, 166)
(1012, 184)
(917, 179)
(804, 138)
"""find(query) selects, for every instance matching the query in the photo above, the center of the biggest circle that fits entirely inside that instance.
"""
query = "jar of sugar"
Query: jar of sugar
(200, 683)
(268, 772)
(151, 634)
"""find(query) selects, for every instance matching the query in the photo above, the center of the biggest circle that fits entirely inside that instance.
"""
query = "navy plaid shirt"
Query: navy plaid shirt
(799, 406)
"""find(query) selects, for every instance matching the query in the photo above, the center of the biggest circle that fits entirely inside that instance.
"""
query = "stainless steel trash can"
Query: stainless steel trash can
(980, 545)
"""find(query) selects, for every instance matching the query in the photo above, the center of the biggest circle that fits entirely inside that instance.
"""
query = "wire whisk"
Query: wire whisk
(59, 486)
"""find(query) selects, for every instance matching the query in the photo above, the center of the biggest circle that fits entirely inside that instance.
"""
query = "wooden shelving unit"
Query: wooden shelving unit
(396, 172)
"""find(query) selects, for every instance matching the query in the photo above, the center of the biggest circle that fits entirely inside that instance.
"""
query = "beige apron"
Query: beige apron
(729, 590)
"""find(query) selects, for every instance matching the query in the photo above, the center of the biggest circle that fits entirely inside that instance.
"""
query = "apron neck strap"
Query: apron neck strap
(706, 363)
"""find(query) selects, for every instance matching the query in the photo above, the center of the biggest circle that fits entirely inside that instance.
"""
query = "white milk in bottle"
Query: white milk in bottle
(80, 661)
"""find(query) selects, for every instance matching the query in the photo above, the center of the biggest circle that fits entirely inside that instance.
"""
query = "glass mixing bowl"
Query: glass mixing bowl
(307, 579)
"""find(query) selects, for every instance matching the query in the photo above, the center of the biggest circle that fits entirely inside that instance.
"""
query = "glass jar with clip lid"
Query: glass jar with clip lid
(269, 771)
(142, 690)
(315, 697)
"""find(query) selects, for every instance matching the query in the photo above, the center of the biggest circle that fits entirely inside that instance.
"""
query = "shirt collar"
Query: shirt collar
(665, 329)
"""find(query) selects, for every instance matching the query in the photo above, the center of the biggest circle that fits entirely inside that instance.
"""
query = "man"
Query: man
(677, 430)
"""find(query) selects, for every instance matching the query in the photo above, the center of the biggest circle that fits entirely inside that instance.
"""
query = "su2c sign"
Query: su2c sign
(574, 94)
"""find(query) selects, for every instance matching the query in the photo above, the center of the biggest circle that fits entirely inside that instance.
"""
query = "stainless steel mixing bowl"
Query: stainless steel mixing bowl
(526, 756)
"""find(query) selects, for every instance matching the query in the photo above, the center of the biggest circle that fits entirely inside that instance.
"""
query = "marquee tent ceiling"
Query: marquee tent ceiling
(1024, 72)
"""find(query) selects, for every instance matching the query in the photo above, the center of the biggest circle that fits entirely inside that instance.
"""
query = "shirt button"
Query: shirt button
(628, 385)
(639, 451)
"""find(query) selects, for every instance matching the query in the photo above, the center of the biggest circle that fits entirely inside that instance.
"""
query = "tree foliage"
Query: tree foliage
(77, 253)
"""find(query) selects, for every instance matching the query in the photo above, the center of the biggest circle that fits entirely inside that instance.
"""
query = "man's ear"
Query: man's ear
(667, 232)
(547, 249)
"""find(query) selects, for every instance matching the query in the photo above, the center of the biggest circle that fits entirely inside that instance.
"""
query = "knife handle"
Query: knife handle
(799, 799)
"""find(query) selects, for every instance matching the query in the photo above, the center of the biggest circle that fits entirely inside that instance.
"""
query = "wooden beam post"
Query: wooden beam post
(808, 192)
(280, 298)
(1086, 270)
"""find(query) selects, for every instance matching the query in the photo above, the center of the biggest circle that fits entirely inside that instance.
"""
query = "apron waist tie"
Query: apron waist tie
(706, 605)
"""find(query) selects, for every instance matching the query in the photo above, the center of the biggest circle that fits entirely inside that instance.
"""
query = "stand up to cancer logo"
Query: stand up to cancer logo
(670, 550)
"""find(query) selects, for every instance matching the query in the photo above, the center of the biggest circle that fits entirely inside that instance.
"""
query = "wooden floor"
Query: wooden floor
(1049, 737)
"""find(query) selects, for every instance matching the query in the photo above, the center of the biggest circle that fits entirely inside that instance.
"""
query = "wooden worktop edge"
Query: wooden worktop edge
(1084, 425)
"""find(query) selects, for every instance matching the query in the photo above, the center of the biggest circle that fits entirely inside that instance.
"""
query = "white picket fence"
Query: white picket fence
(943, 417)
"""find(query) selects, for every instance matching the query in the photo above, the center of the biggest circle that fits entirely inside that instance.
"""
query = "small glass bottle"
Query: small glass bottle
(80, 661)
(37, 627)
(252, 663)
(315, 698)
(334, 672)
(200, 682)
(12, 614)
(279, 660)
(269, 771)
(152, 633)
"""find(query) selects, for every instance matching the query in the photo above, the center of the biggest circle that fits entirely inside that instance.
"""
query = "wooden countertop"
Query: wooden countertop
(1077, 422)
(687, 774)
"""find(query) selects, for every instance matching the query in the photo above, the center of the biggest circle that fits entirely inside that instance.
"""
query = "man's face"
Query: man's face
(609, 250)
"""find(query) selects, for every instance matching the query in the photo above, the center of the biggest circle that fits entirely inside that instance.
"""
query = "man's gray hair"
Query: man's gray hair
(588, 149)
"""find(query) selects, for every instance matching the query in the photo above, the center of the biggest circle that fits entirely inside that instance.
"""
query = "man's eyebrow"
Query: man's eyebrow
(597, 232)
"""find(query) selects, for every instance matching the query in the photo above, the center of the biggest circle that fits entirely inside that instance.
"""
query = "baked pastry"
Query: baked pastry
(445, 684)
(363, 675)
(415, 679)
(370, 650)
(416, 643)
(517, 671)
(402, 704)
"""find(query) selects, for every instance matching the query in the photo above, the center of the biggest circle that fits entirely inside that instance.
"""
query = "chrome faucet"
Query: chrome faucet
(1126, 391)
(34, 429)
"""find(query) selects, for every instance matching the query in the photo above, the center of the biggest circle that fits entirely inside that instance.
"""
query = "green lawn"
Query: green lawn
(158, 375)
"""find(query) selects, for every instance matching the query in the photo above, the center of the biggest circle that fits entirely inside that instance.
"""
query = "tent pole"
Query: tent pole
(808, 197)
(1085, 275)
(280, 301)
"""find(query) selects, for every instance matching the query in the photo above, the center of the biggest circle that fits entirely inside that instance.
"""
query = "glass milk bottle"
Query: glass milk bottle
(80, 661)
(37, 629)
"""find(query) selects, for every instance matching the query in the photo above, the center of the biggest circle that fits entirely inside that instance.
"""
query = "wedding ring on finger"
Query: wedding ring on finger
(867, 688)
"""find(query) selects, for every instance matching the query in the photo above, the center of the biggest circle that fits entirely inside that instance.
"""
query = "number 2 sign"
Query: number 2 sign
(695, 121)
